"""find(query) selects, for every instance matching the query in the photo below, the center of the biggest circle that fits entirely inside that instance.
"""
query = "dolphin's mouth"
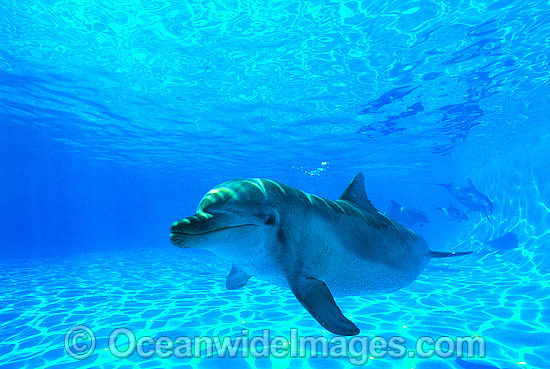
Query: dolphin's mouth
(180, 233)
(180, 237)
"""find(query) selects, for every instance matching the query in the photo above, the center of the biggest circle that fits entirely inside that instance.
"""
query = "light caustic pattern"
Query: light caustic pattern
(159, 82)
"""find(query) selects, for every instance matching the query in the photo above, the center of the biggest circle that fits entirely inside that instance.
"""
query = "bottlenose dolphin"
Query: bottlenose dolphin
(319, 248)
(454, 213)
(407, 215)
(470, 197)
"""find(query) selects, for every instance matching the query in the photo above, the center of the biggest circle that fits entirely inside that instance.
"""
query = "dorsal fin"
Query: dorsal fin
(355, 193)
(470, 184)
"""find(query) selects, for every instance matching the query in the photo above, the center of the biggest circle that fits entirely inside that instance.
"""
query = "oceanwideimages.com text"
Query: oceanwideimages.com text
(80, 343)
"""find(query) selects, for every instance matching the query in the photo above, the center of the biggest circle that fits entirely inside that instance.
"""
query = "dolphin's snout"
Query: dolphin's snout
(182, 229)
(179, 226)
(190, 225)
(195, 225)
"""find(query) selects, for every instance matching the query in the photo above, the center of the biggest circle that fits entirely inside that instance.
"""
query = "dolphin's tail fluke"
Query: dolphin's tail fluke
(443, 254)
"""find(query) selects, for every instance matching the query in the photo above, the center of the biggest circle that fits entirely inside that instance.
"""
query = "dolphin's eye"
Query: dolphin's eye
(270, 220)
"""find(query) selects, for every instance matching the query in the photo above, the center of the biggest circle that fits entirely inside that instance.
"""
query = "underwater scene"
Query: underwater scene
(275, 184)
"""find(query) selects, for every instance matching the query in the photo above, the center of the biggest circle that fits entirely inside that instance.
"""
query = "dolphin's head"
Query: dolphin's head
(231, 219)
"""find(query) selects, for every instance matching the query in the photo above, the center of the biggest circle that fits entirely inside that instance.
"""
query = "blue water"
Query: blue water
(117, 117)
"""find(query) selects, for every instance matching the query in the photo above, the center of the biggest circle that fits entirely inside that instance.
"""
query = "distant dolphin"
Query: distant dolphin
(406, 215)
(470, 197)
(315, 246)
(505, 242)
(454, 213)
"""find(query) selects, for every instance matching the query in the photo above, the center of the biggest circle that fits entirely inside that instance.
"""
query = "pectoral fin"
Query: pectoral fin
(236, 279)
(315, 296)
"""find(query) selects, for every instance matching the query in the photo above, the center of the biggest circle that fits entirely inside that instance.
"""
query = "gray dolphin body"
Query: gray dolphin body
(315, 246)
(470, 197)
(454, 213)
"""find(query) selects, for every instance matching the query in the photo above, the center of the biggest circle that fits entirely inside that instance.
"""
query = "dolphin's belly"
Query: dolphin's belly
(387, 266)
(355, 277)
(361, 277)
(344, 273)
